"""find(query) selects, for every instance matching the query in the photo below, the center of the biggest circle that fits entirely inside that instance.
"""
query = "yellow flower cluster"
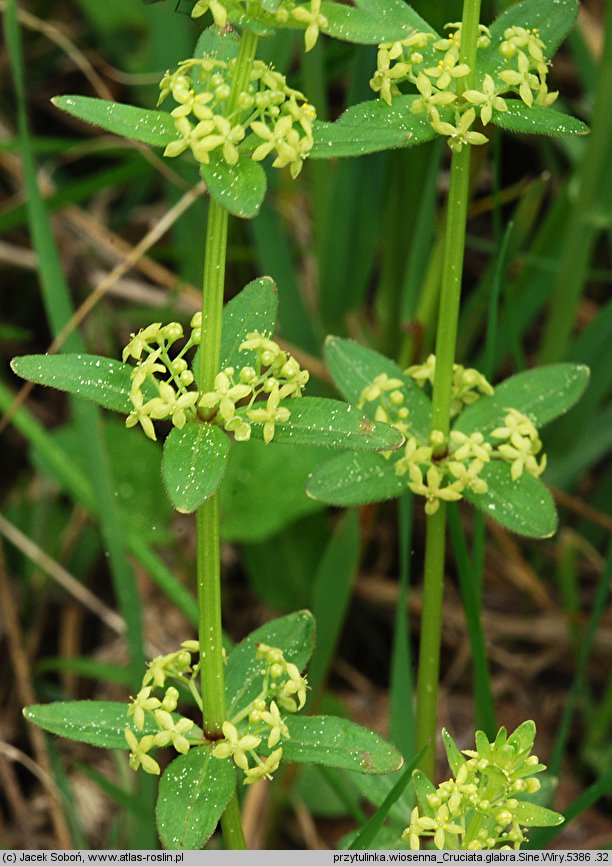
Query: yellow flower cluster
(172, 729)
(433, 66)
(233, 404)
(459, 459)
(388, 394)
(468, 384)
(306, 14)
(174, 398)
(283, 688)
(275, 376)
(208, 121)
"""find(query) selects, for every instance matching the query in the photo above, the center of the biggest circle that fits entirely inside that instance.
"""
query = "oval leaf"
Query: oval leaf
(151, 127)
(294, 634)
(369, 22)
(194, 462)
(253, 309)
(331, 424)
(524, 506)
(99, 723)
(370, 127)
(336, 742)
(532, 815)
(239, 188)
(353, 366)
(355, 479)
(543, 394)
(193, 793)
(103, 380)
(537, 120)
(453, 755)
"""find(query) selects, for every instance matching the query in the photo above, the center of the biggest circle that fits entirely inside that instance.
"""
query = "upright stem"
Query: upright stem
(207, 516)
(446, 341)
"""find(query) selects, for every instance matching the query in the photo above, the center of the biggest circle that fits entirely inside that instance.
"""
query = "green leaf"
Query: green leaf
(103, 380)
(193, 793)
(532, 815)
(239, 188)
(423, 788)
(524, 506)
(219, 44)
(260, 476)
(336, 742)
(537, 120)
(523, 737)
(543, 394)
(294, 634)
(454, 756)
(194, 463)
(371, 22)
(353, 366)
(139, 124)
(355, 479)
(370, 127)
(331, 424)
(99, 723)
(253, 309)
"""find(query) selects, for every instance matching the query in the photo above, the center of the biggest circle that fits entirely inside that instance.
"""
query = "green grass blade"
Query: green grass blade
(583, 225)
(483, 695)
(582, 666)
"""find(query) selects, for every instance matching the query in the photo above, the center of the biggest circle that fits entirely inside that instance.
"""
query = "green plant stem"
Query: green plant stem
(446, 341)
(452, 269)
(207, 516)
(429, 646)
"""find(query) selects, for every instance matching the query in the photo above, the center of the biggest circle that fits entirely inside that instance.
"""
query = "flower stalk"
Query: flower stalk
(446, 341)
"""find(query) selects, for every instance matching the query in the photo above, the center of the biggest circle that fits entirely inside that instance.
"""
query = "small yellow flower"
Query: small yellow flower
(272, 415)
(487, 99)
(313, 19)
(523, 79)
(142, 704)
(172, 732)
(278, 729)
(263, 769)
(459, 135)
(140, 414)
(432, 490)
(139, 749)
(235, 746)
(141, 341)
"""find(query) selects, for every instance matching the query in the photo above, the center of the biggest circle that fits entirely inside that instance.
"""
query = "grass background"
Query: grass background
(96, 572)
